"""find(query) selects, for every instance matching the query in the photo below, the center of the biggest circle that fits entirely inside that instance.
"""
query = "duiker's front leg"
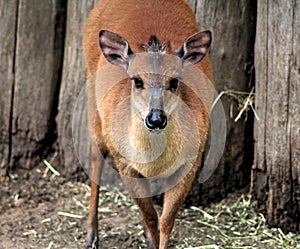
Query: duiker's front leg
(150, 221)
(139, 187)
(92, 239)
(173, 199)
(92, 223)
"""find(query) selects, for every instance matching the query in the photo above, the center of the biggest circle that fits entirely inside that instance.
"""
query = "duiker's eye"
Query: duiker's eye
(138, 83)
(173, 84)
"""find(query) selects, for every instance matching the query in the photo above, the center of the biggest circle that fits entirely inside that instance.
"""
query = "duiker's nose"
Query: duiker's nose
(156, 120)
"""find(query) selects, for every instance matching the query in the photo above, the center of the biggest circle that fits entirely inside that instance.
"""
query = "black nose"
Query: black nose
(156, 119)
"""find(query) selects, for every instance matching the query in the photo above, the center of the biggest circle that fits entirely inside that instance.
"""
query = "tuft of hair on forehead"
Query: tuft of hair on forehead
(154, 45)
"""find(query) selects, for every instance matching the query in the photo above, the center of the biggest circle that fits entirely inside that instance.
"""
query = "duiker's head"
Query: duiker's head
(155, 74)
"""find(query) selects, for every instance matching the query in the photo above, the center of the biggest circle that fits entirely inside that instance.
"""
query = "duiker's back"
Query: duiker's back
(136, 20)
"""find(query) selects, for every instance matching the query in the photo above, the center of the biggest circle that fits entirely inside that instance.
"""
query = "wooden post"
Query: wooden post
(73, 80)
(276, 172)
(30, 76)
(232, 54)
(8, 24)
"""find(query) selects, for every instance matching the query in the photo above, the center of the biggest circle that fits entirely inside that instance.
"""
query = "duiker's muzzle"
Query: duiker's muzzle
(156, 120)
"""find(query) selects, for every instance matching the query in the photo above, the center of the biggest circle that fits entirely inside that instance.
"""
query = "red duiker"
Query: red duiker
(153, 42)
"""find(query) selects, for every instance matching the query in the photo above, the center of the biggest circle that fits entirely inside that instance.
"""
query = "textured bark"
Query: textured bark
(32, 60)
(233, 27)
(8, 22)
(72, 82)
(276, 173)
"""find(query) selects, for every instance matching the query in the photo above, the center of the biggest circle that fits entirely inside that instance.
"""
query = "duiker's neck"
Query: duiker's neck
(162, 154)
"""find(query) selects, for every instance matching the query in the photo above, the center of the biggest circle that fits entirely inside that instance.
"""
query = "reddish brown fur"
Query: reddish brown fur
(136, 21)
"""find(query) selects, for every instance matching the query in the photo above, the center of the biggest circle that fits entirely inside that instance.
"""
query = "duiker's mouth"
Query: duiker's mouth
(156, 131)
(156, 121)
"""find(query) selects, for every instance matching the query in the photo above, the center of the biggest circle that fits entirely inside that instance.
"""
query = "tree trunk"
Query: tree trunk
(8, 24)
(276, 172)
(32, 49)
(233, 27)
(73, 81)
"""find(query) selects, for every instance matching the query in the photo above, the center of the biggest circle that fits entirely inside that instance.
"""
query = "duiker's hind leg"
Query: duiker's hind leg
(136, 186)
(173, 199)
(92, 223)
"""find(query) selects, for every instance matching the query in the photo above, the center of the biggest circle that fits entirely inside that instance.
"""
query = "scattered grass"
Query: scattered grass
(54, 215)
(245, 102)
(51, 168)
(232, 223)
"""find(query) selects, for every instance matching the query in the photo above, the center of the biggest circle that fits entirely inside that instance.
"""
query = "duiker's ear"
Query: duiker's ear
(195, 47)
(115, 48)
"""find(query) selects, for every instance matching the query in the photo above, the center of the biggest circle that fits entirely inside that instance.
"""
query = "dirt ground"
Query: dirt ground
(41, 210)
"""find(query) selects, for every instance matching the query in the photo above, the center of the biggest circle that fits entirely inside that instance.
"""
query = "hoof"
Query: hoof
(93, 244)
(92, 240)
(92, 247)
(150, 244)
